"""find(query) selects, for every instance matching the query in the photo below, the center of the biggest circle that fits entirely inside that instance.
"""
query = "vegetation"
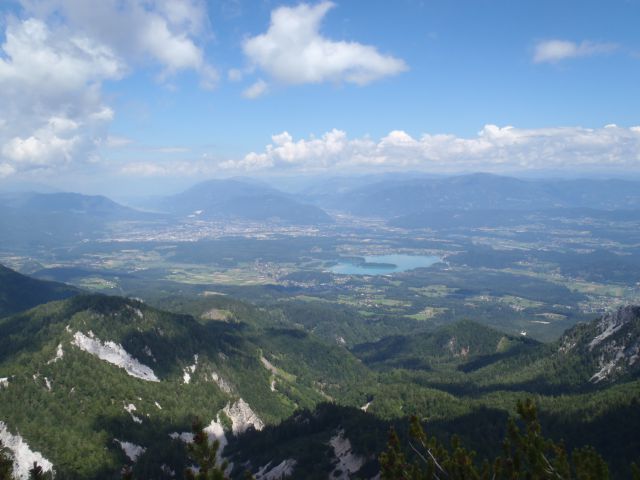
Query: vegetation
(526, 454)
(303, 381)
(6, 464)
(205, 455)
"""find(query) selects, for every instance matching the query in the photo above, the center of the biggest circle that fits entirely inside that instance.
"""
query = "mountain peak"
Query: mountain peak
(609, 347)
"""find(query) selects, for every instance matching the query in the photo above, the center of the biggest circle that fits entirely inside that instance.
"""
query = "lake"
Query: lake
(385, 264)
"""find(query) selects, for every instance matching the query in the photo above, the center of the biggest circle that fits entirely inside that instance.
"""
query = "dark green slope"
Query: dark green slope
(464, 342)
(71, 407)
(465, 378)
(485, 383)
(19, 292)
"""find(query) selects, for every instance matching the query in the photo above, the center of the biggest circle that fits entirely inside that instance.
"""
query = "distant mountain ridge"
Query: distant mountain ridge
(67, 202)
(228, 199)
(31, 219)
(395, 198)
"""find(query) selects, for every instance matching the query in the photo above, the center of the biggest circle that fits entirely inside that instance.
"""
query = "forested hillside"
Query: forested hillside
(92, 383)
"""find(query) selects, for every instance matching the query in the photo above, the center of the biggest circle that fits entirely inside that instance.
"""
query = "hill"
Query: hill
(19, 292)
(91, 383)
(225, 199)
(95, 382)
(463, 341)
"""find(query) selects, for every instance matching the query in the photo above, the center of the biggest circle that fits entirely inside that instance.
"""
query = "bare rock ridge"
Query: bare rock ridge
(611, 344)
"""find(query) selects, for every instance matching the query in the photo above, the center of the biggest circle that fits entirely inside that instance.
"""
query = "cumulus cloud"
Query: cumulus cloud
(293, 51)
(494, 148)
(50, 89)
(553, 51)
(163, 30)
(57, 54)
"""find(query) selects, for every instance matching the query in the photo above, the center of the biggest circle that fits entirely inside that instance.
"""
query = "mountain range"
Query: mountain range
(89, 383)
(229, 199)
(400, 197)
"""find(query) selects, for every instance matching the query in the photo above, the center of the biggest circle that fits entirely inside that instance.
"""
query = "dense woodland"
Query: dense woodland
(461, 380)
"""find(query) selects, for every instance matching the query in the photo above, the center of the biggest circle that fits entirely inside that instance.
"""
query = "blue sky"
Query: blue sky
(168, 89)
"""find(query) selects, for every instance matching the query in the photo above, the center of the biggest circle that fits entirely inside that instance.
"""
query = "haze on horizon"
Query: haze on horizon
(131, 97)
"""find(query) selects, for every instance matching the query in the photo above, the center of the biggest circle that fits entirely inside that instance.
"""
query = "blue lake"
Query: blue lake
(393, 264)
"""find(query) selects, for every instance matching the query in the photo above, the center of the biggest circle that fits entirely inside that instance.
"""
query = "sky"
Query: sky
(127, 94)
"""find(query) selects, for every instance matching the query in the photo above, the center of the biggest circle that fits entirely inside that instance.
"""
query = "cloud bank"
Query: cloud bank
(494, 148)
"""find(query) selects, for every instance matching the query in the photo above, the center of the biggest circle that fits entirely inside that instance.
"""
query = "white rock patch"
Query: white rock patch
(365, 407)
(47, 383)
(114, 353)
(4, 382)
(611, 323)
(188, 371)
(23, 456)
(59, 355)
(158, 405)
(347, 461)
(186, 437)
(130, 409)
(268, 365)
(215, 431)
(610, 329)
(282, 470)
(221, 382)
(131, 450)
(242, 417)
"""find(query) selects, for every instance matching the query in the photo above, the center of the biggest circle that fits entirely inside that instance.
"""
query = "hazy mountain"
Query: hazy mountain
(68, 203)
(220, 199)
(396, 198)
(19, 292)
(30, 219)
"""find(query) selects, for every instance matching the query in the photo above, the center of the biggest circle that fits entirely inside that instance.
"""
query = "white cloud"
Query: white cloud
(293, 51)
(56, 56)
(167, 169)
(493, 149)
(164, 30)
(553, 51)
(259, 88)
(50, 89)
(499, 149)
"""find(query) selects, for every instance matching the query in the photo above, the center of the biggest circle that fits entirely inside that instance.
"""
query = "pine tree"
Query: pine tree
(526, 454)
(205, 456)
(37, 473)
(6, 464)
